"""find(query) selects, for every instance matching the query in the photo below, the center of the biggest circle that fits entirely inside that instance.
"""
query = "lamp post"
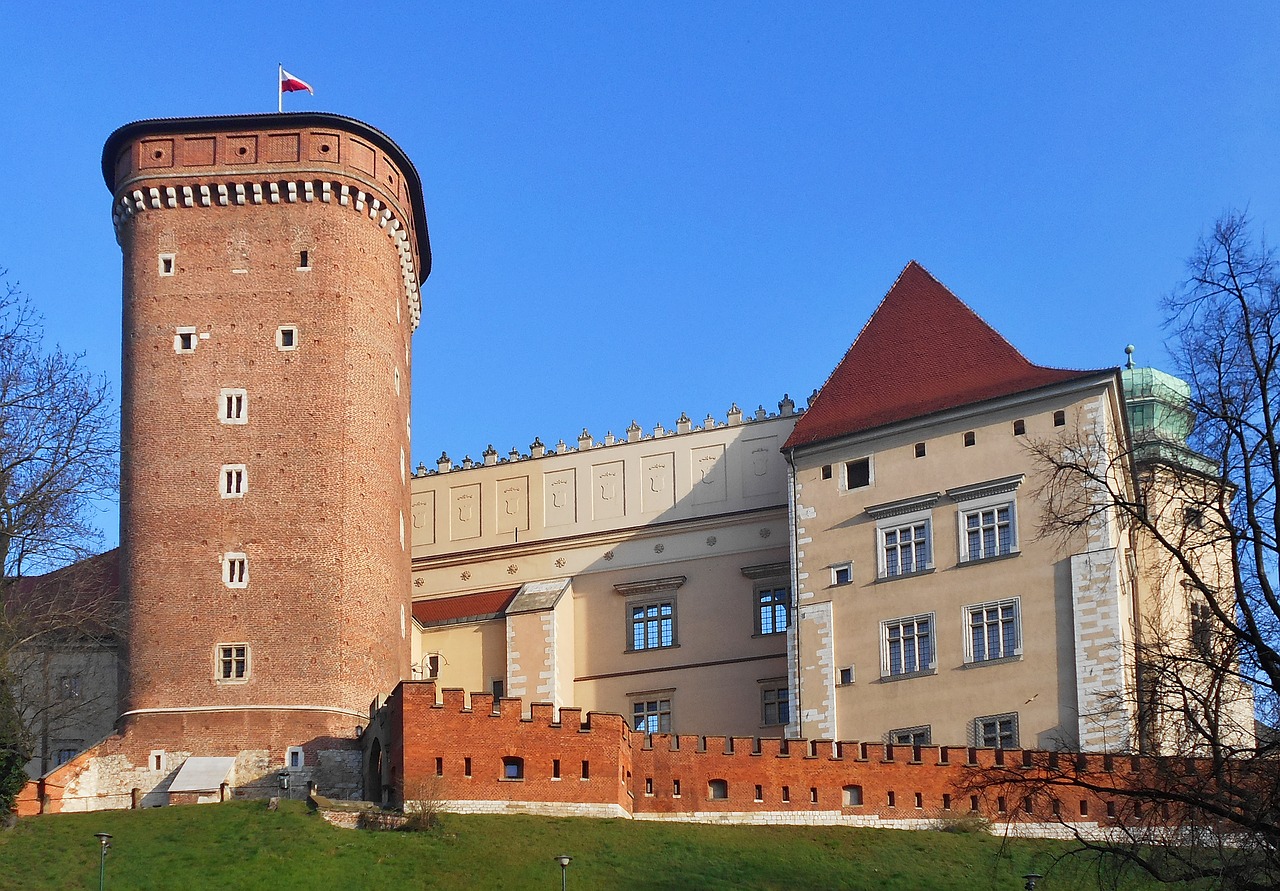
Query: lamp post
(104, 839)
(1032, 878)
(564, 860)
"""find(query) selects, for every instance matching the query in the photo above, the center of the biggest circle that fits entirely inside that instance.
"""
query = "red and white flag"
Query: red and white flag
(291, 84)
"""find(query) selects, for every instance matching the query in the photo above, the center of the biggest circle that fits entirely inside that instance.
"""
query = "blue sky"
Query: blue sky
(643, 209)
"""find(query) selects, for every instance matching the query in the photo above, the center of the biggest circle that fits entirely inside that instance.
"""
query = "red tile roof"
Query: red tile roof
(443, 610)
(922, 351)
(83, 598)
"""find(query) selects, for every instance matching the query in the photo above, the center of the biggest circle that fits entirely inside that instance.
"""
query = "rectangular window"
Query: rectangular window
(775, 706)
(498, 687)
(168, 264)
(826, 471)
(235, 570)
(1059, 419)
(842, 574)
(970, 438)
(906, 549)
(185, 340)
(304, 259)
(911, 736)
(773, 607)
(286, 338)
(233, 480)
(233, 662)
(846, 676)
(66, 753)
(920, 450)
(996, 731)
(993, 630)
(294, 758)
(653, 625)
(1019, 427)
(988, 532)
(908, 645)
(233, 406)
(857, 474)
(1202, 624)
(651, 715)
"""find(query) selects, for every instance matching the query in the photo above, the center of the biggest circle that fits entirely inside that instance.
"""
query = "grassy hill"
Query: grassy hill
(242, 845)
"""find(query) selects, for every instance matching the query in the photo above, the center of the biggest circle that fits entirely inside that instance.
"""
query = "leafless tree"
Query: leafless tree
(58, 457)
(1197, 499)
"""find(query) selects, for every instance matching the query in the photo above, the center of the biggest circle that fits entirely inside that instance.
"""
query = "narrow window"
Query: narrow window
(466, 767)
(498, 687)
(234, 482)
(857, 474)
(717, 790)
(973, 802)
(970, 438)
(233, 406)
(813, 794)
(786, 793)
(919, 450)
(287, 338)
(1111, 809)
(1000, 804)
(168, 263)
(891, 800)
(555, 768)
(586, 770)
(157, 759)
(919, 801)
(675, 788)
(513, 768)
(185, 340)
(235, 570)
(648, 785)
(294, 757)
(946, 801)
(439, 767)
(1059, 419)
(304, 259)
(826, 471)
(1019, 427)
(759, 793)
(1084, 808)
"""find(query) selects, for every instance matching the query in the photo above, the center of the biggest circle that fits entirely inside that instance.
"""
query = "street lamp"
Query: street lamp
(1032, 878)
(104, 838)
(564, 860)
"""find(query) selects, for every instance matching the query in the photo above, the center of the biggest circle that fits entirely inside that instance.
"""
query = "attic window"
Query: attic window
(1059, 419)
(826, 471)
(970, 438)
(857, 474)
(919, 450)
(1019, 427)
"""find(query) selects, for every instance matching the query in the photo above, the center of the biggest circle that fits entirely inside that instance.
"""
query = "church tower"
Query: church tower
(272, 266)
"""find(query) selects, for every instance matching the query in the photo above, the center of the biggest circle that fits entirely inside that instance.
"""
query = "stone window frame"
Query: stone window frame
(289, 754)
(233, 481)
(892, 519)
(235, 569)
(991, 727)
(287, 338)
(981, 498)
(842, 574)
(919, 735)
(651, 706)
(1014, 647)
(887, 645)
(645, 595)
(167, 264)
(233, 405)
(846, 473)
(185, 339)
(232, 663)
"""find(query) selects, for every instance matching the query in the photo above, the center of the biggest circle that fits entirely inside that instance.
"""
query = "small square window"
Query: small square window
(651, 715)
(66, 753)
(996, 731)
(1019, 427)
(857, 474)
(846, 676)
(1059, 419)
(168, 264)
(826, 471)
(234, 481)
(294, 758)
(513, 768)
(232, 662)
(235, 570)
(233, 406)
(287, 338)
(842, 574)
(920, 450)
(970, 438)
(185, 340)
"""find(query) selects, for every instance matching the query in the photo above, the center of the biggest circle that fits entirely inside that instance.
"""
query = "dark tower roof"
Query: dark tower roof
(922, 351)
(226, 123)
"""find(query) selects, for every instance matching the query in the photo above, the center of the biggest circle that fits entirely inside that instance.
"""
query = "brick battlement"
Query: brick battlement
(473, 754)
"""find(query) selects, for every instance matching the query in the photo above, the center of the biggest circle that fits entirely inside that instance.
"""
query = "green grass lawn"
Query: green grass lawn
(242, 845)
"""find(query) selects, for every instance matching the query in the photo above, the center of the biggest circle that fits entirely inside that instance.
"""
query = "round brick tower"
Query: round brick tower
(271, 274)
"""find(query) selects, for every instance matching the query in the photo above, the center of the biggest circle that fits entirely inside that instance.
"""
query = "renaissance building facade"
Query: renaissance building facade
(866, 568)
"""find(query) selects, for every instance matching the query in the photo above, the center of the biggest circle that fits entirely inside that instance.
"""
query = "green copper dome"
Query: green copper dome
(1160, 416)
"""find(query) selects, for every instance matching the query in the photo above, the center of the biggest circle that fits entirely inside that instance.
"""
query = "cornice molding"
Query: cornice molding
(974, 491)
(903, 505)
(650, 586)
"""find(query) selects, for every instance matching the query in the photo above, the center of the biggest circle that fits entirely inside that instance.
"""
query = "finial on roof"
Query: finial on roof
(1128, 351)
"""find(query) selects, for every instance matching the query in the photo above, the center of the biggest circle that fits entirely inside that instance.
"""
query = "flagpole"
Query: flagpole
(280, 88)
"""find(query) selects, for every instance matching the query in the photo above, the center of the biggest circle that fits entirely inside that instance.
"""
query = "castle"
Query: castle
(866, 568)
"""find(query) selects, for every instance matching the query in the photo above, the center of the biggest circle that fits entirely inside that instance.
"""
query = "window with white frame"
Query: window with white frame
(168, 264)
(911, 736)
(653, 625)
(908, 646)
(233, 406)
(775, 703)
(234, 481)
(996, 731)
(993, 630)
(235, 570)
(185, 339)
(857, 474)
(773, 607)
(287, 338)
(294, 758)
(651, 715)
(232, 662)
(906, 548)
(842, 574)
(987, 515)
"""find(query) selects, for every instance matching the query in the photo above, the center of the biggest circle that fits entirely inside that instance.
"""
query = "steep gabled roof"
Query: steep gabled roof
(922, 351)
